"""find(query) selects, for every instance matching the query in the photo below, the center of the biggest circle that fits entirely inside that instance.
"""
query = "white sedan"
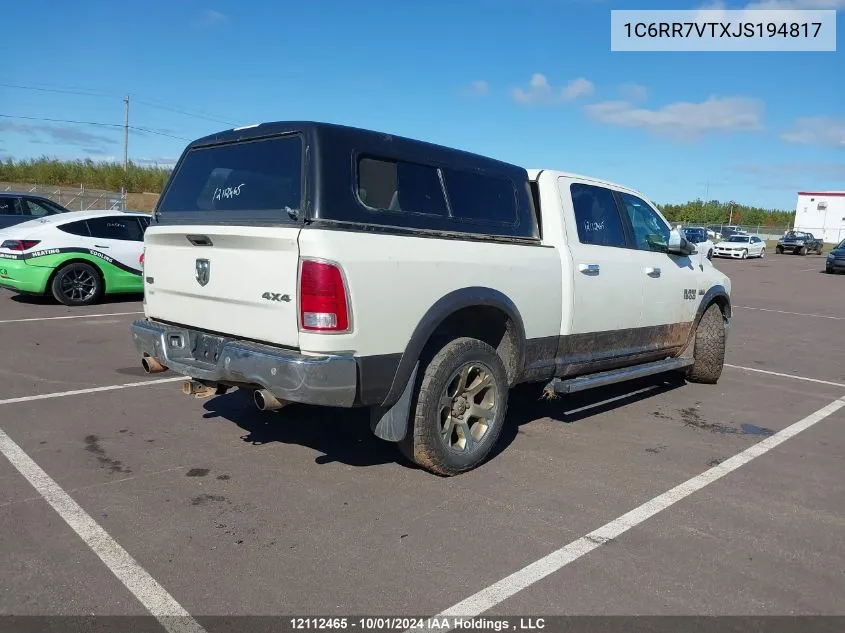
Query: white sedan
(740, 246)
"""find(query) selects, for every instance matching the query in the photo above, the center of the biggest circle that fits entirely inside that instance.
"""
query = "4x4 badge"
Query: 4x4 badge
(203, 271)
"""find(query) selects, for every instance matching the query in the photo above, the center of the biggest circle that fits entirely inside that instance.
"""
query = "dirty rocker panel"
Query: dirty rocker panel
(544, 357)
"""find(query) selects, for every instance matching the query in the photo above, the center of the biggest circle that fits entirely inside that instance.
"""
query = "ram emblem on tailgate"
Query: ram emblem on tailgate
(203, 271)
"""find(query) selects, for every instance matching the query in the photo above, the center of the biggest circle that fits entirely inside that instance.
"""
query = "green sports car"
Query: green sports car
(76, 257)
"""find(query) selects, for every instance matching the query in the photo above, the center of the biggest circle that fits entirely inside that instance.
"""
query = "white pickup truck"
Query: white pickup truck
(327, 265)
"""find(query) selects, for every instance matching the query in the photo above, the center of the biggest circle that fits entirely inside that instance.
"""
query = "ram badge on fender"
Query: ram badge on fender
(77, 257)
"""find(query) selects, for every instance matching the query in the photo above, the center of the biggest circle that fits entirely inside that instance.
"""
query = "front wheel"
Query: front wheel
(460, 410)
(710, 254)
(779, 250)
(744, 254)
(77, 284)
(709, 350)
(762, 253)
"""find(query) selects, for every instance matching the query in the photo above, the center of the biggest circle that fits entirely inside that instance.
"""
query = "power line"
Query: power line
(96, 123)
(71, 91)
(185, 112)
(92, 93)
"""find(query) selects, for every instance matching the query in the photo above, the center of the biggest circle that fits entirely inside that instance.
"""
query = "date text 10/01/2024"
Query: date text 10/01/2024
(441, 623)
(721, 29)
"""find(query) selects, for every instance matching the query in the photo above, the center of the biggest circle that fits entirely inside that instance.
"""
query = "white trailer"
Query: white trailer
(821, 213)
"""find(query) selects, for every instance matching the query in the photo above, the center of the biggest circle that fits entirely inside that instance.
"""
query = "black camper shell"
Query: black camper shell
(325, 175)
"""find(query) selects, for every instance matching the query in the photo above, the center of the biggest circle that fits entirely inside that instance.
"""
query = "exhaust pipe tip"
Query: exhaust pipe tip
(266, 401)
(151, 365)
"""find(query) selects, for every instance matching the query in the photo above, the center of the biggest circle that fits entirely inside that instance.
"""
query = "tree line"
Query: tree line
(85, 172)
(716, 212)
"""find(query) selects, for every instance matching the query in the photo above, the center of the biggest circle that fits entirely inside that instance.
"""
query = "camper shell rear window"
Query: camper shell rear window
(258, 179)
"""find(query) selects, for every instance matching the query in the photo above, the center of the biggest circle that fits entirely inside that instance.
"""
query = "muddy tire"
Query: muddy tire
(460, 408)
(709, 351)
(779, 250)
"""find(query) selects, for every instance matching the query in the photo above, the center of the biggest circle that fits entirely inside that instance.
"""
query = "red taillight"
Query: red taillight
(322, 298)
(141, 260)
(20, 245)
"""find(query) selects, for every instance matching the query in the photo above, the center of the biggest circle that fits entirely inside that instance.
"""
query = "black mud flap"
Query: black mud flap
(391, 424)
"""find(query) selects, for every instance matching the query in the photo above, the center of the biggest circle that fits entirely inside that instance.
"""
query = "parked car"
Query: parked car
(698, 236)
(327, 265)
(799, 242)
(740, 246)
(18, 207)
(835, 262)
(76, 257)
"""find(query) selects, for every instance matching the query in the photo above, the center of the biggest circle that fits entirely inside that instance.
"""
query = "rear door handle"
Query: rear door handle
(589, 269)
(100, 246)
(652, 272)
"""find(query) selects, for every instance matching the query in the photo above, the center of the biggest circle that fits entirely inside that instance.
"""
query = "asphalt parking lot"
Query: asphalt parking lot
(229, 511)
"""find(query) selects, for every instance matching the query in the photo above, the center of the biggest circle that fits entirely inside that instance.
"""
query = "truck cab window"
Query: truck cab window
(650, 232)
(597, 216)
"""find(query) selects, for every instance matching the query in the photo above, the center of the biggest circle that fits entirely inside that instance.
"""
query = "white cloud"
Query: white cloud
(817, 131)
(67, 134)
(633, 92)
(683, 119)
(540, 91)
(479, 87)
(577, 88)
(160, 161)
(210, 17)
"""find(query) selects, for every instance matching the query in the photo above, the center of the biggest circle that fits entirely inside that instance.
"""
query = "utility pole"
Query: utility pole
(126, 133)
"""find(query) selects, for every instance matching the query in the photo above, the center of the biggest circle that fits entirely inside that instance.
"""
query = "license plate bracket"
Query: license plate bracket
(206, 348)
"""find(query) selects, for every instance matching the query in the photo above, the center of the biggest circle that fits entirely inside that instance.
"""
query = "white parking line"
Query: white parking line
(818, 316)
(776, 373)
(496, 593)
(73, 316)
(79, 392)
(144, 587)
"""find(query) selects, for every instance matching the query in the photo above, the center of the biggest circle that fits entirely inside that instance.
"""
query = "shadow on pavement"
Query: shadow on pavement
(344, 436)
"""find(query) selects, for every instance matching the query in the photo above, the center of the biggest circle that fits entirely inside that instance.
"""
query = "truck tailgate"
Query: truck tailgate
(236, 280)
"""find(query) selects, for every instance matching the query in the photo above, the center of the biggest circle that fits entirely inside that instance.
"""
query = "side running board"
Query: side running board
(589, 381)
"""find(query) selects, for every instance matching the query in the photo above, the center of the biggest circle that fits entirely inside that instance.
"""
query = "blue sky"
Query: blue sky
(529, 81)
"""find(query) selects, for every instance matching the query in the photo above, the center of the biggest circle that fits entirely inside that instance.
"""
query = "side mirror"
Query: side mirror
(679, 245)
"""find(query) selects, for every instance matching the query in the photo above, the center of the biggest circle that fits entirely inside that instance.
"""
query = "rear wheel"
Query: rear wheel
(709, 350)
(76, 284)
(460, 409)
